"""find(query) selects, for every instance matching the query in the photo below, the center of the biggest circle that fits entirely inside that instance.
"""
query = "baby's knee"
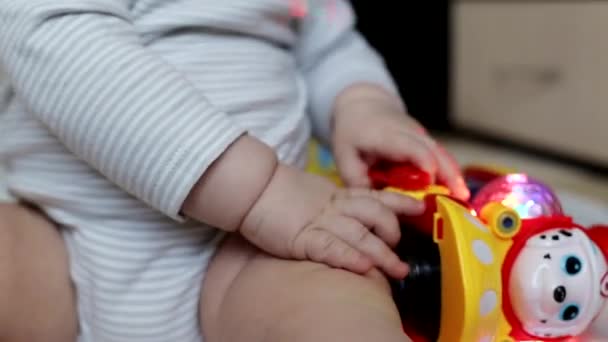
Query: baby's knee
(271, 299)
(336, 287)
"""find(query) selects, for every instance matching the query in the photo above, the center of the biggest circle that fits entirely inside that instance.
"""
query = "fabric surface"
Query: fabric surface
(149, 92)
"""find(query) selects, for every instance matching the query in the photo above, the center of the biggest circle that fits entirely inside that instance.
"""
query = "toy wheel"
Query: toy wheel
(504, 221)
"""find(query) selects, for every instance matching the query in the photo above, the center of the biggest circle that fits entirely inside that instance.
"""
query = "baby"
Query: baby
(150, 130)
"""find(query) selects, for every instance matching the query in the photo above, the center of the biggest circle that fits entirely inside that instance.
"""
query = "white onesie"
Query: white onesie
(116, 109)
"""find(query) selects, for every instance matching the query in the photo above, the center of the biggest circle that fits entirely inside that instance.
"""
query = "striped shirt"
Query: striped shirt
(111, 110)
(149, 92)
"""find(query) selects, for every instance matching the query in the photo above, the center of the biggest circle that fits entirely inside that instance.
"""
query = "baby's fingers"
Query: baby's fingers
(416, 151)
(398, 203)
(448, 170)
(320, 245)
(373, 214)
(362, 239)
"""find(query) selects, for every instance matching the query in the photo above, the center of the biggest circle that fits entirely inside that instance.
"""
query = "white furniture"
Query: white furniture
(535, 72)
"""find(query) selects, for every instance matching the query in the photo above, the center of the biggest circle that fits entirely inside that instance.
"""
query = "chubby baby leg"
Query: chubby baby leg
(251, 297)
(37, 301)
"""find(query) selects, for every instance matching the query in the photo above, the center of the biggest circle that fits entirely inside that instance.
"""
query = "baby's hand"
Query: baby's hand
(369, 124)
(357, 230)
(306, 217)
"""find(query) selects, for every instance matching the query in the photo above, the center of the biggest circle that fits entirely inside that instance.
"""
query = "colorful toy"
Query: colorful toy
(508, 265)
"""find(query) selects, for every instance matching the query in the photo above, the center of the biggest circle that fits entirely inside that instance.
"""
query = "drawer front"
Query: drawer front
(535, 72)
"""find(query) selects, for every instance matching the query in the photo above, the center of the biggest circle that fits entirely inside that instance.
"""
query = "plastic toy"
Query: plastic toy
(508, 265)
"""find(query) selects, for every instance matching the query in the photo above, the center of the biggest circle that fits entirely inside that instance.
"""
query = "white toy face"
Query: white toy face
(557, 284)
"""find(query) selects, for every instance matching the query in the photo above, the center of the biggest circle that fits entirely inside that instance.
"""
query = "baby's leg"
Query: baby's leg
(251, 297)
(36, 296)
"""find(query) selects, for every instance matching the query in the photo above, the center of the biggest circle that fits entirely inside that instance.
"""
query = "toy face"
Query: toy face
(556, 283)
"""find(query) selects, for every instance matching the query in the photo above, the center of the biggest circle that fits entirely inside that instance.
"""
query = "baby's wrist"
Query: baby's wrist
(286, 203)
(353, 95)
(363, 93)
(232, 185)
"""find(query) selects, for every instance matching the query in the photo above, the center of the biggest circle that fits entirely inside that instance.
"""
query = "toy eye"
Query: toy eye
(505, 222)
(569, 312)
(572, 265)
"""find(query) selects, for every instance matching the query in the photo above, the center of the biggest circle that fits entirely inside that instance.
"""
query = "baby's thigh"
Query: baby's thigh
(36, 294)
(250, 296)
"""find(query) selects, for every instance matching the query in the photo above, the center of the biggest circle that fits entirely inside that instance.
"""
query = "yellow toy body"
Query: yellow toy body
(472, 252)
(471, 263)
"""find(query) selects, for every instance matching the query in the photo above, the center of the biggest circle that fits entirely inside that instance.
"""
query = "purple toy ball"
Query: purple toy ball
(529, 197)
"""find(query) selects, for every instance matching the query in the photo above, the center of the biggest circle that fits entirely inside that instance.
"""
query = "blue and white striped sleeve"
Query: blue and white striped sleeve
(333, 55)
(80, 67)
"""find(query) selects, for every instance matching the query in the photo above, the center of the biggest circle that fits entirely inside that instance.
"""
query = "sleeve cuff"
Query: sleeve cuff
(195, 155)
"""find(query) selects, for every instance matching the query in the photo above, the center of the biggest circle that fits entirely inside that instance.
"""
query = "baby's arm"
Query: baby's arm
(334, 56)
(302, 216)
(81, 69)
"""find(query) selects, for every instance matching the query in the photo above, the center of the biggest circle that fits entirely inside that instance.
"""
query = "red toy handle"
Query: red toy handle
(404, 176)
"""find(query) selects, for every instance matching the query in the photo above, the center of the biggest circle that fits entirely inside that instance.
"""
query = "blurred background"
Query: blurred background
(517, 83)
